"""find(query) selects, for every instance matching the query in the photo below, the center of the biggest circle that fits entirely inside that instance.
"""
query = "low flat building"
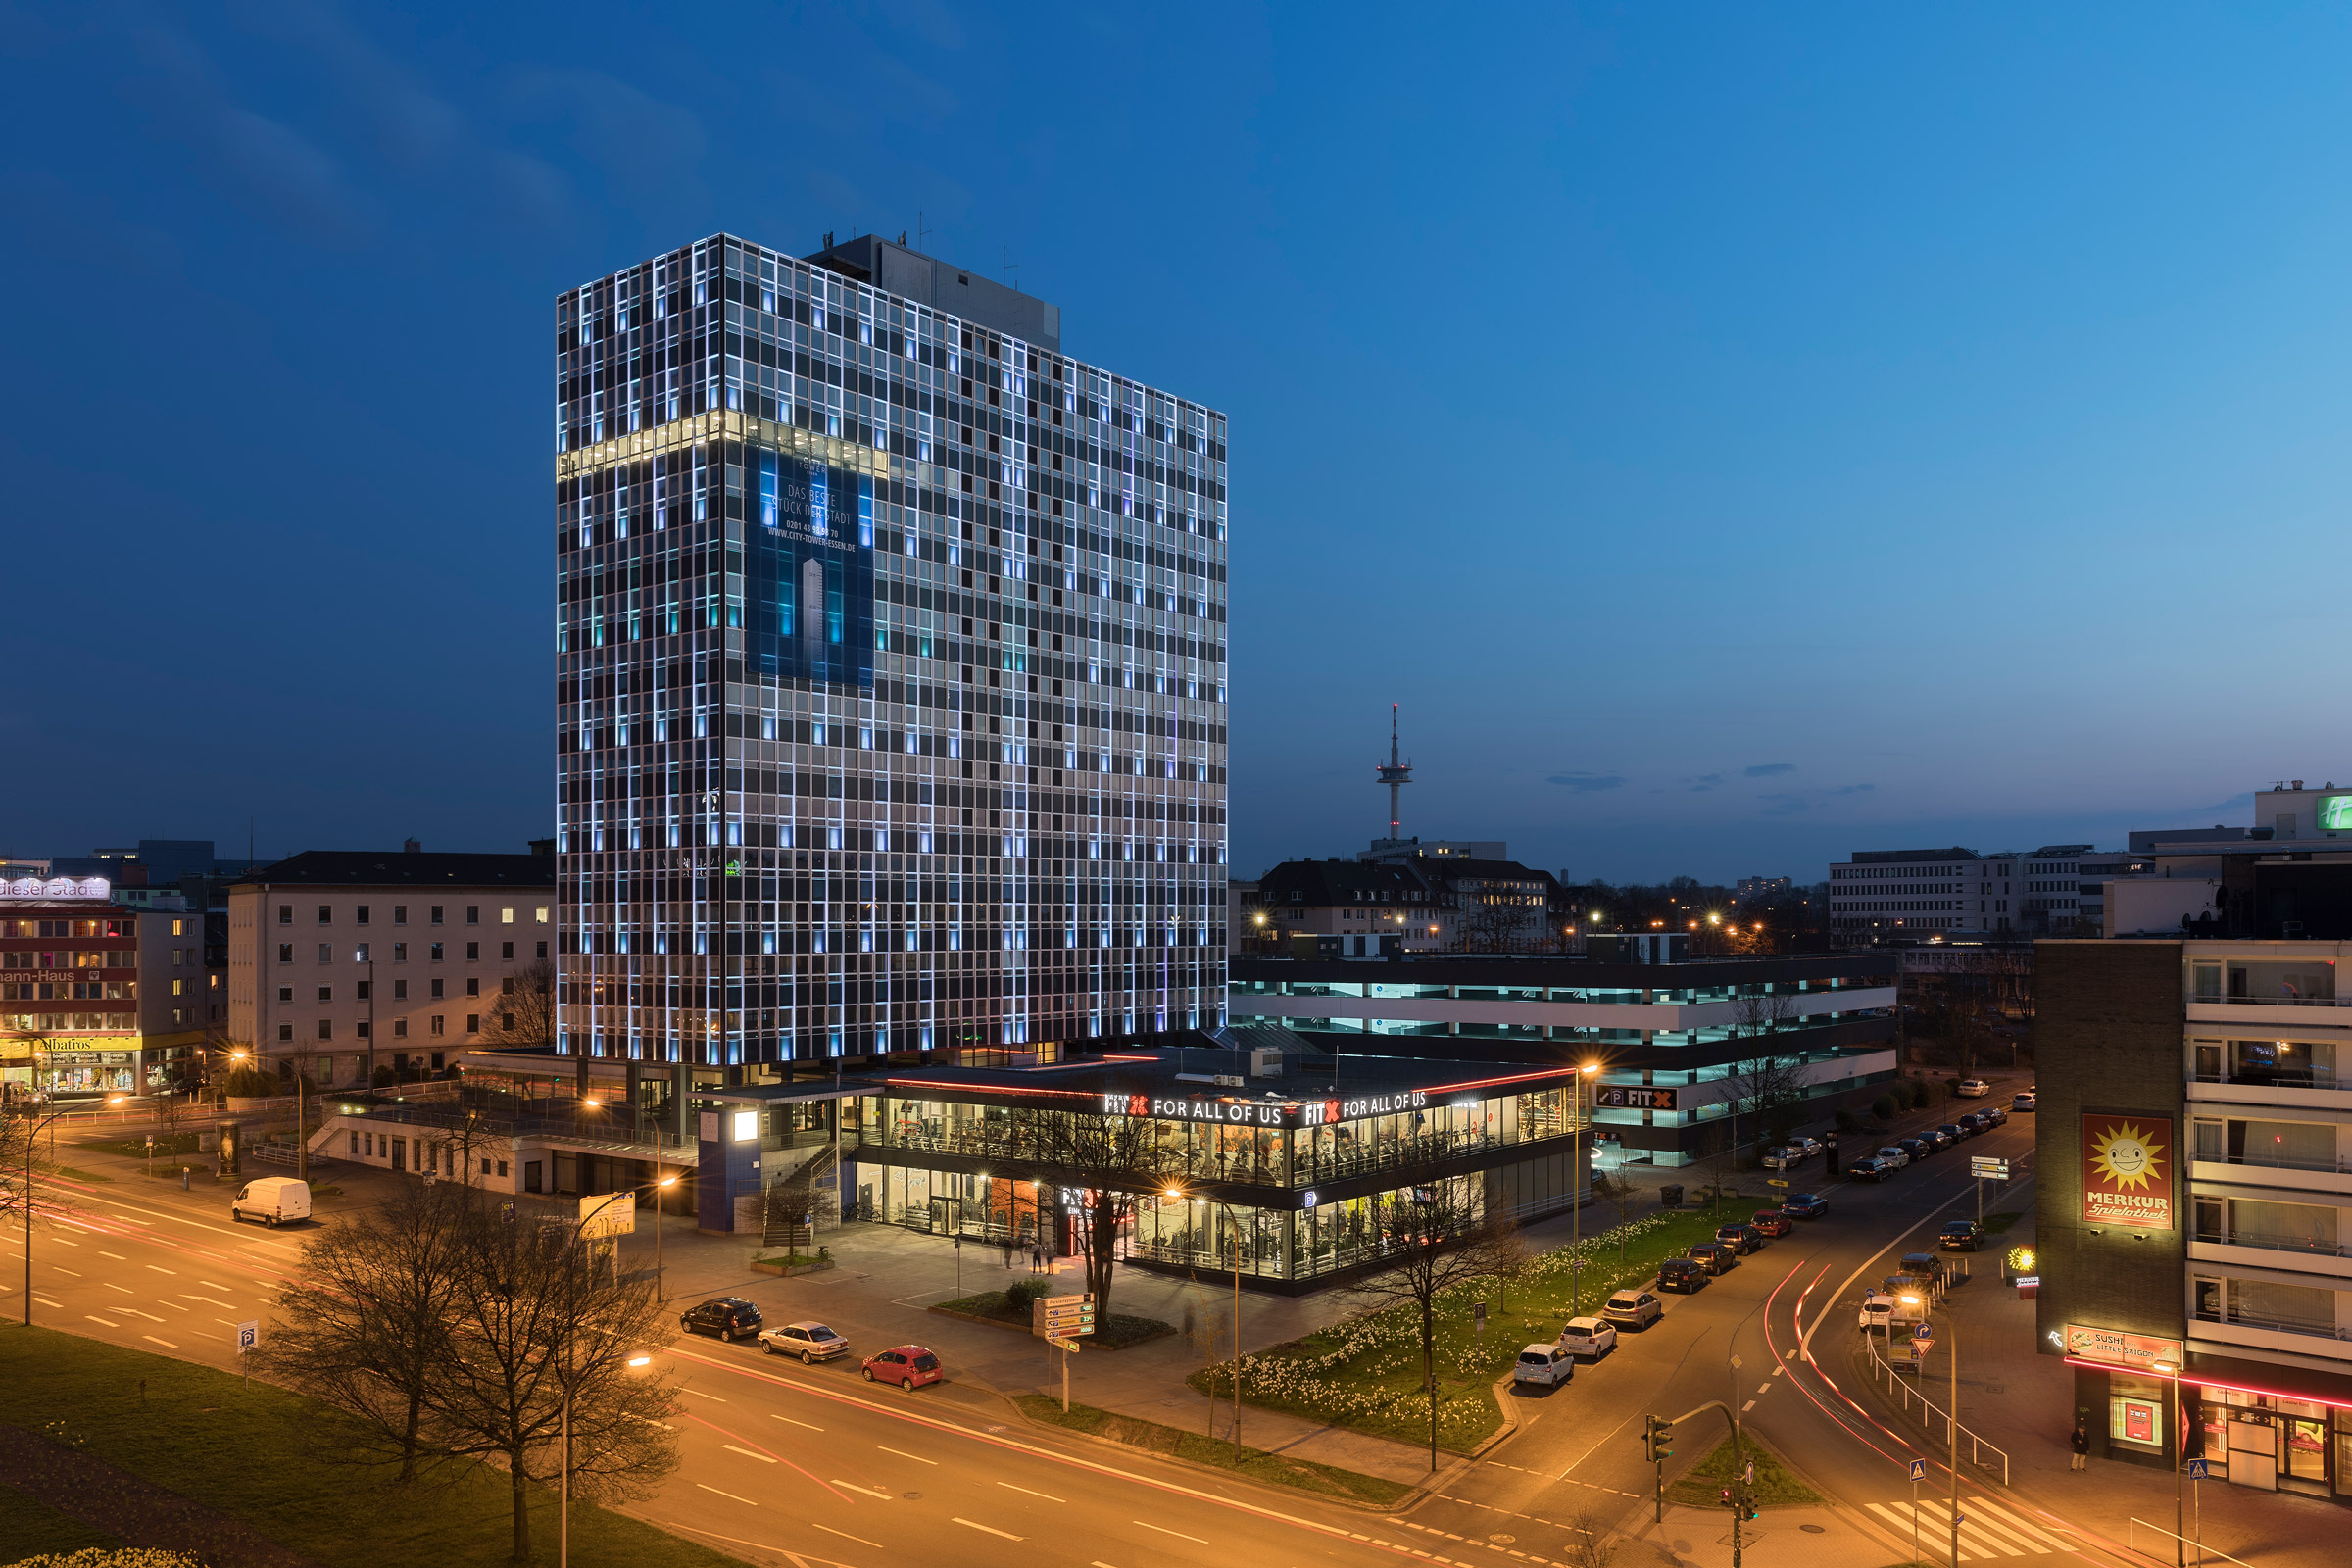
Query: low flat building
(1668, 1035)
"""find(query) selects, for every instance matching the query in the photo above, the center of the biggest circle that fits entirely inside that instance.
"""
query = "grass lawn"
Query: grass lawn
(1365, 1372)
(136, 1147)
(1116, 1331)
(1994, 1224)
(31, 1529)
(1255, 1464)
(1701, 1486)
(263, 1456)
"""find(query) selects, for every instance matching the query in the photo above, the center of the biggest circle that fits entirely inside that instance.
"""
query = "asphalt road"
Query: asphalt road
(813, 1465)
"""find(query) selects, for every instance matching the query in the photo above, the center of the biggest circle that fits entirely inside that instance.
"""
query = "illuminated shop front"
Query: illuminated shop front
(1305, 1179)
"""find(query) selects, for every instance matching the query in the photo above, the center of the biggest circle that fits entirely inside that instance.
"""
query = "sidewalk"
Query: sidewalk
(2024, 1403)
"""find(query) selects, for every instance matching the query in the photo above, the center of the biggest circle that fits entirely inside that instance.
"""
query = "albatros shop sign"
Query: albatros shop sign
(2127, 1170)
(1262, 1114)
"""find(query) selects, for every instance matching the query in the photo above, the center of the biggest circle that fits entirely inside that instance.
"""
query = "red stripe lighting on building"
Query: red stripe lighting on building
(2214, 1383)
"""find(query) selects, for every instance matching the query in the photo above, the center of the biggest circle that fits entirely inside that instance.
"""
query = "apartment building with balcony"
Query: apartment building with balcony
(2194, 1155)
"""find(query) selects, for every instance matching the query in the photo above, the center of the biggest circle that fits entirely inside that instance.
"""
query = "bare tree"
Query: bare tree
(523, 1017)
(1493, 924)
(366, 1324)
(1105, 1161)
(1587, 1544)
(1768, 1088)
(531, 1322)
(1440, 1239)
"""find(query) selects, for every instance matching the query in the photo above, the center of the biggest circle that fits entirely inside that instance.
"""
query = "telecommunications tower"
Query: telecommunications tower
(1396, 775)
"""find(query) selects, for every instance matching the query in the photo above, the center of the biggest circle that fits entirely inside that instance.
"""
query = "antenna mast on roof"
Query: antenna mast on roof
(1396, 775)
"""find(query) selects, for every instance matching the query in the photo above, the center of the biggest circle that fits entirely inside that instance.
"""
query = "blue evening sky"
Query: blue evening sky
(1736, 434)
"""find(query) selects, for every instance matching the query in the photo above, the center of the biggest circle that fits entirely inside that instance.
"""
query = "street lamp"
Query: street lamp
(1232, 1226)
(2172, 1370)
(32, 1133)
(1579, 1096)
(564, 1505)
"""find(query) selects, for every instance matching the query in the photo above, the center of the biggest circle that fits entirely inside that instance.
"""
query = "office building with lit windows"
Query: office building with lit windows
(891, 647)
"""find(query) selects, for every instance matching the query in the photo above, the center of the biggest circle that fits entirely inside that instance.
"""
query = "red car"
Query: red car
(1772, 1222)
(908, 1365)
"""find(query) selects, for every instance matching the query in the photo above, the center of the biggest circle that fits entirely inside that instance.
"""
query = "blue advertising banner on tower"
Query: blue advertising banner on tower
(809, 572)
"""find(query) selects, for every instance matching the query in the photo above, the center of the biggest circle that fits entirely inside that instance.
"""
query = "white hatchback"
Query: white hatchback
(1589, 1336)
(1895, 1155)
(1544, 1366)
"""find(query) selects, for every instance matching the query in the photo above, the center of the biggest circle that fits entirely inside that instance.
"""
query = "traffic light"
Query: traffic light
(1657, 1439)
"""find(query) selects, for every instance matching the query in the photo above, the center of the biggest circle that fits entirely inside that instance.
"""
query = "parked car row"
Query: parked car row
(732, 1319)
(1790, 1155)
(1906, 1151)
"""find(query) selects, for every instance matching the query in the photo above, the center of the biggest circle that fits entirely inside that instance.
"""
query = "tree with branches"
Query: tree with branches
(539, 1345)
(523, 1017)
(1440, 1237)
(365, 1325)
(1106, 1162)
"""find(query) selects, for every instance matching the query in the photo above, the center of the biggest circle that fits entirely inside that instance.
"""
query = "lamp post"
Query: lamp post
(1233, 1228)
(563, 1503)
(2172, 1370)
(1579, 1097)
(32, 1132)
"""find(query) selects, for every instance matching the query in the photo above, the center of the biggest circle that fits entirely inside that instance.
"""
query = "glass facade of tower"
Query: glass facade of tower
(891, 674)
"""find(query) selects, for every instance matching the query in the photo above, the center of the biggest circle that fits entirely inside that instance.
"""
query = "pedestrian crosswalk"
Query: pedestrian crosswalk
(1987, 1529)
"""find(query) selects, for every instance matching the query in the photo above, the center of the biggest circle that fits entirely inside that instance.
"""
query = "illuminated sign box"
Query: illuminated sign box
(2119, 1348)
(2127, 1170)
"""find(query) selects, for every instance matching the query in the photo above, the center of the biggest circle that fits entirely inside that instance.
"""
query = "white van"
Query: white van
(271, 1199)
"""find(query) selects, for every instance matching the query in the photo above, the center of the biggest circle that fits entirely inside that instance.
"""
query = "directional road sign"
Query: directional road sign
(1774, 1181)
(1987, 1167)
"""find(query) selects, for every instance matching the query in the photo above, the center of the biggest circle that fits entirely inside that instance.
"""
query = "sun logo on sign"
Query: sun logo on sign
(2126, 1156)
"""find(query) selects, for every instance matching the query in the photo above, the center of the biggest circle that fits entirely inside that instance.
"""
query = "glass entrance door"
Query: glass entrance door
(946, 1215)
(2304, 1454)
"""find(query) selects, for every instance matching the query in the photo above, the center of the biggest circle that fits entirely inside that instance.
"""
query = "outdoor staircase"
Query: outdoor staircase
(798, 1205)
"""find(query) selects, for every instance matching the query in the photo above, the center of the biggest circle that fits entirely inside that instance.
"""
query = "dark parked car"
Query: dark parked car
(730, 1318)
(1955, 1131)
(1870, 1168)
(1714, 1256)
(1960, 1235)
(1998, 1113)
(1772, 1222)
(1805, 1206)
(1924, 1264)
(1918, 1148)
(1934, 1138)
(1681, 1274)
(1975, 1121)
(1740, 1238)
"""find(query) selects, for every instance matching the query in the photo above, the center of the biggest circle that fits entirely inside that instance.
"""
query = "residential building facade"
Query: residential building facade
(891, 647)
(96, 995)
(344, 963)
(2194, 1167)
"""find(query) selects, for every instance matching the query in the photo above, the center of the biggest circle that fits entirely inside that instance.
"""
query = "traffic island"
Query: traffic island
(999, 1309)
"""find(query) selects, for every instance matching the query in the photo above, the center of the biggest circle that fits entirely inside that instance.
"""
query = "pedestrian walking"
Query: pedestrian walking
(2082, 1445)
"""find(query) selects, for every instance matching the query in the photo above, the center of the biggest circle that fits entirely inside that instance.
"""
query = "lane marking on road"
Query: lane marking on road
(215, 1284)
(74, 1272)
(158, 1268)
(102, 1320)
(1764, 1388)
(135, 1312)
(45, 1301)
(1749, 1405)
(1098, 1563)
(174, 1305)
(855, 1487)
(60, 1241)
(846, 1536)
(1165, 1531)
(754, 1443)
(224, 1323)
(747, 1453)
(786, 1420)
(2012, 1521)
(166, 1344)
(975, 1524)
(116, 1256)
(112, 1285)
(897, 1411)
(746, 1501)
(903, 1454)
(700, 1394)
(1049, 1496)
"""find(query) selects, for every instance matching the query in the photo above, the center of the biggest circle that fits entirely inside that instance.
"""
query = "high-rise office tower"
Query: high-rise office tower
(891, 647)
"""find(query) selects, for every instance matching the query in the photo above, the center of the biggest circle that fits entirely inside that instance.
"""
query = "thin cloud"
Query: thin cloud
(1586, 783)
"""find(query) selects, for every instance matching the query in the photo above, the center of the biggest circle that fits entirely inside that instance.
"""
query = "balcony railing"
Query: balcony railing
(2271, 1002)
(2338, 1165)
(615, 1130)
(2276, 1325)
(2312, 1245)
(2274, 1078)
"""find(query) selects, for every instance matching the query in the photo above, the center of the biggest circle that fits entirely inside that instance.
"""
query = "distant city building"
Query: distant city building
(1437, 850)
(1889, 895)
(346, 961)
(2286, 878)
(1384, 902)
(96, 996)
(1764, 886)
